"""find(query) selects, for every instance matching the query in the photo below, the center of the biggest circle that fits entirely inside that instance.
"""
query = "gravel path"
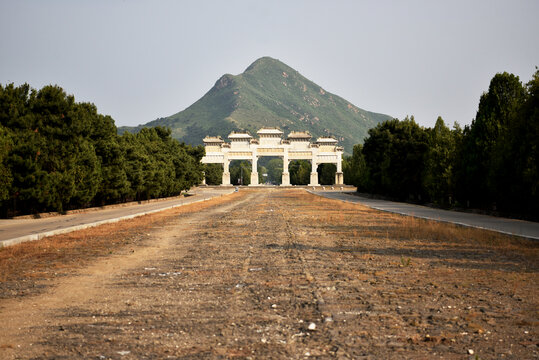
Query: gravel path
(285, 274)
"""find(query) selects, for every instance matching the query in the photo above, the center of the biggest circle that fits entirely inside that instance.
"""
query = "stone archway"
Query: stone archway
(297, 146)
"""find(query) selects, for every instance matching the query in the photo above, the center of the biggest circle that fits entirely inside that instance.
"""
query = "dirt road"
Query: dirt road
(286, 274)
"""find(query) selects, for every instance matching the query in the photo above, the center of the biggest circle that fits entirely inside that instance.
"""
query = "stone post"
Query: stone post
(254, 170)
(226, 173)
(339, 178)
(314, 173)
(285, 181)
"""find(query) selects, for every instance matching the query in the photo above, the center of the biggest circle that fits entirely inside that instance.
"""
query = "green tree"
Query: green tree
(274, 168)
(355, 169)
(520, 163)
(66, 154)
(213, 173)
(189, 167)
(159, 174)
(300, 172)
(56, 154)
(240, 172)
(326, 174)
(137, 165)
(440, 162)
(480, 175)
(394, 154)
(114, 185)
(6, 179)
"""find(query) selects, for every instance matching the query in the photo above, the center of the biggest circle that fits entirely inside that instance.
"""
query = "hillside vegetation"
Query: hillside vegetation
(269, 94)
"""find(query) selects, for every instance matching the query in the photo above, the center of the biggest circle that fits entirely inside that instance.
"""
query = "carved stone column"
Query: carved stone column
(254, 171)
(314, 174)
(285, 181)
(226, 173)
(339, 178)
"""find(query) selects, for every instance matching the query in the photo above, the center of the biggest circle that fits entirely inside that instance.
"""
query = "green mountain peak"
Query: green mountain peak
(269, 93)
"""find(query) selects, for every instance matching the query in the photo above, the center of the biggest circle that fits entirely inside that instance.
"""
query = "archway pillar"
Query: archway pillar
(314, 173)
(339, 178)
(226, 173)
(285, 181)
(254, 171)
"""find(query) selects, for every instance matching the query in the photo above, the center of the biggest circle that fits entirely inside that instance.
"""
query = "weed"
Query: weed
(405, 262)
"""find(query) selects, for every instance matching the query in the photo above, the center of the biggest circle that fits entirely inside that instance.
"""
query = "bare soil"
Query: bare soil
(271, 274)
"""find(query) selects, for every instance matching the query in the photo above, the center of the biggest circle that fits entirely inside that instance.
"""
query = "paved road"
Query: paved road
(14, 231)
(507, 226)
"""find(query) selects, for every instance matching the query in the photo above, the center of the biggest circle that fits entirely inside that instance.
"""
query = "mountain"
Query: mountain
(269, 93)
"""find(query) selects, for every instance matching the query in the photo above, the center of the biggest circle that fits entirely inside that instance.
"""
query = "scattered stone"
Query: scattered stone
(312, 326)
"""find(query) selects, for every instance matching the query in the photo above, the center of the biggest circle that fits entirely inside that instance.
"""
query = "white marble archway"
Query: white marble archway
(297, 146)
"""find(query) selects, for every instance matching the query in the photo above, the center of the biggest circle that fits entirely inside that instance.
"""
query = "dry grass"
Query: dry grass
(365, 222)
(46, 257)
(390, 283)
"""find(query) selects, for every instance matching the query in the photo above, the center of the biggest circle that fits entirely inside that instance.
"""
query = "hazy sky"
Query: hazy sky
(140, 60)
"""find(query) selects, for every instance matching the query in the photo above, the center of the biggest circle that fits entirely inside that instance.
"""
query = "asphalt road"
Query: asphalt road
(503, 225)
(14, 231)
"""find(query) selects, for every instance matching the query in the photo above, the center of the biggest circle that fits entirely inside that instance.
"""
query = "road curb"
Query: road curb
(39, 236)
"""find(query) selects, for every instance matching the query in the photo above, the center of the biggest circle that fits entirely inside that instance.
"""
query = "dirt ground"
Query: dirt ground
(271, 274)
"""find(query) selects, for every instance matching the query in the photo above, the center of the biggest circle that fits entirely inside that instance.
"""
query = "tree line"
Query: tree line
(492, 164)
(57, 154)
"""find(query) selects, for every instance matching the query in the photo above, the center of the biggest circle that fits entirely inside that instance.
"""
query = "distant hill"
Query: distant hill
(269, 94)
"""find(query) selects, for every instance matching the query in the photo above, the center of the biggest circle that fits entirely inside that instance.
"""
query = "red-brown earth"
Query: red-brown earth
(271, 274)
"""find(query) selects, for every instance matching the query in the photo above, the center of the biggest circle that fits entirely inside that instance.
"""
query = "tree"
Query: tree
(56, 154)
(440, 162)
(480, 175)
(394, 154)
(355, 171)
(213, 173)
(521, 157)
(189, 167)
(66, 154)
(6, 179)
(137, 165)
(114, 185)
(326, 174)
(240, 172)
(300, 172)
(274, 168)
